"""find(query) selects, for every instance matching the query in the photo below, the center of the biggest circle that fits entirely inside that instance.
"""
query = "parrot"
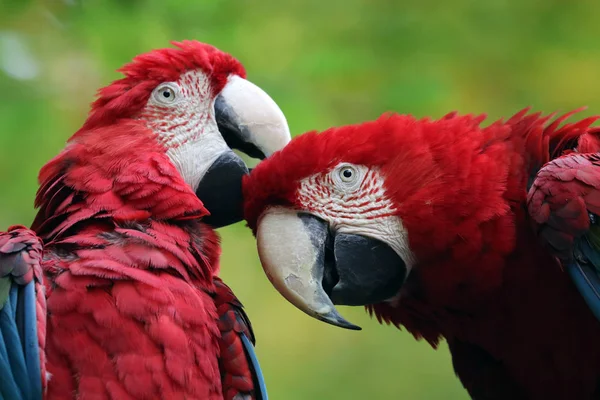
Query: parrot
(485, 235)
(113, 292)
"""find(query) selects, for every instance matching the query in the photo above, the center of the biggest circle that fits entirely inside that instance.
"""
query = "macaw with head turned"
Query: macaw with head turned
(488, 237)
(123, 252)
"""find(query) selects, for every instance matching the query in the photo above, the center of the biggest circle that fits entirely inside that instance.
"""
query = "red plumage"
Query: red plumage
(21, 251)
(131, 268)
(484, 280)
(563, 194)
(235, 373)
(135, 310)
(127, 96)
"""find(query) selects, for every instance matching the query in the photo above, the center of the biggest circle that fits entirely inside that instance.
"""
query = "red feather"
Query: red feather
(131, 271)
(95, 175)
(560, 198)
(129, 265)
(127, 96)
(516, 325)
(236, 374)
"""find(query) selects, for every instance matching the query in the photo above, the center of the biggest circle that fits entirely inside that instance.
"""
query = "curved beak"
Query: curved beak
(251, 122)
(315, 268)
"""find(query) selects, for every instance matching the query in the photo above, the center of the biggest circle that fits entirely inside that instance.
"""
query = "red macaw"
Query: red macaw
(123, 251)
(452, 230)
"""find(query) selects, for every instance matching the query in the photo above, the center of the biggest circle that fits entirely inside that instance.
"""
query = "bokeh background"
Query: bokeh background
(326, 62)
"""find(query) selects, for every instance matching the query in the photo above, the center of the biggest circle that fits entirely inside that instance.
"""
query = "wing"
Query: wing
(22, 317)
(564, 201)
(241, 376)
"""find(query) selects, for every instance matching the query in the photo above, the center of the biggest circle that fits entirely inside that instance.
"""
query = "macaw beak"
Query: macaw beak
(315, 268)
(251, 122)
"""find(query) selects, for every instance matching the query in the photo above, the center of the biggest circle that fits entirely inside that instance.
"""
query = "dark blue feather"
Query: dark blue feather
(31, 347)
(584, 270)
(14, 349)
(13, 299)
(8, 385)
(589, 252)
(20, 374)
(588, 284)
(261, 388)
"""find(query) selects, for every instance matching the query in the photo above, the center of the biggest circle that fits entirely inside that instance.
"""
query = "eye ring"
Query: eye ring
(166, 94)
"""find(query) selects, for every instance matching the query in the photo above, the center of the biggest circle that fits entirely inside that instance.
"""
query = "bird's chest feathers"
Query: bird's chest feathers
(134, 300)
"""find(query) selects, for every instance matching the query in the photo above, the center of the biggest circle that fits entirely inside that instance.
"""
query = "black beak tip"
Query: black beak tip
(351, 327)
(336, 319)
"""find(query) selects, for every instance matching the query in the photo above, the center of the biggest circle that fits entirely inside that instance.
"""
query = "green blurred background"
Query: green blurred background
(326, 63)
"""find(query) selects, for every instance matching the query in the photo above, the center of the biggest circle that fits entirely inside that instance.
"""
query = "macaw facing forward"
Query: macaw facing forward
(123, 251)
(453, 231)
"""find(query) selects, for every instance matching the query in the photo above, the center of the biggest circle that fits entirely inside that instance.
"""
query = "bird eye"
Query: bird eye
(347, 174)
(165, 94)
(348, 177)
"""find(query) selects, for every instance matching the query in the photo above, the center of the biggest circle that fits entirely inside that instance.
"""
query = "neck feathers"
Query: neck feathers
(114, 206)
(117, 174)
(481, 227)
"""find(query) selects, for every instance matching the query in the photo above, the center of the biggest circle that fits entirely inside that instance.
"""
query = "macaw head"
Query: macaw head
(350, 215)
(195, 102)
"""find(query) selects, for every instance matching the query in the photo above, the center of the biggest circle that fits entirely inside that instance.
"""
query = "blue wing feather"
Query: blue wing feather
(8, 385)
(12, 343)
(587, 282)
(258, 375)
(583, 270)
(13, 299)
(20, 369)
(19, 352)
(30, 340)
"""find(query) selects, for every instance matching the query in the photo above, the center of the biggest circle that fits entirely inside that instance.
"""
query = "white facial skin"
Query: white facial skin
(352, 199)
(182, 115)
